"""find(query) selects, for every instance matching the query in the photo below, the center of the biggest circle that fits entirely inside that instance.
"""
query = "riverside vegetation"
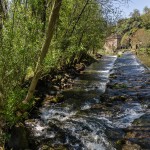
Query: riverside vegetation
(75, 30)
(135, 31)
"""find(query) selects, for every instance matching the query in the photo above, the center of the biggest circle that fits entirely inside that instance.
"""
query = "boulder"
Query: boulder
(18, 138)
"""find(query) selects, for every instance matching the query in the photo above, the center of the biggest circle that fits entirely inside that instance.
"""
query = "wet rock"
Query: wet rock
(64, 80)
(53, 92)
(114, 133)
(139, 132)
(80, 67)
(67, 85)
(117, 85)
(46, 102)
(59, 97)
(113, 76)
(67, 75)
(120, 98)
(97, 55)
(18, 139)
(108, 104)
(57, 147)
(142, 121)
(99, 106)
(53, 99)
(60, 147)
(131, 146)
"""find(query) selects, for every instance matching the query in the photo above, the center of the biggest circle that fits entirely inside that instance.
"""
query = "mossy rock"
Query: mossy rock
(58, 98)
(119, 143)
(118, 86)
(119, 98)
(113, 76)
(61, 147)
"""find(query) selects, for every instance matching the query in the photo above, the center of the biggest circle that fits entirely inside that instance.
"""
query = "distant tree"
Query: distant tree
(146, 20)
(135, 14)
(146, 10)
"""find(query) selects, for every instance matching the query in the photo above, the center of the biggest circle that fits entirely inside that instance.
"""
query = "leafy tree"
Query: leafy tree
(79, 30)
(146, 10)
(51, 26)
(146, 18)
(135, 14)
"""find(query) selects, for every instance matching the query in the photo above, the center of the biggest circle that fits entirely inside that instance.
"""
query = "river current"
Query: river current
(84, 121)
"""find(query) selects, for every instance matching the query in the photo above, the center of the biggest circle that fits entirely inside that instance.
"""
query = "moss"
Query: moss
(119, 86)
(119, 143)
(58, 98)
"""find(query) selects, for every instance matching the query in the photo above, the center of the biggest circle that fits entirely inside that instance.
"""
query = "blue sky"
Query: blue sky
(134, 4)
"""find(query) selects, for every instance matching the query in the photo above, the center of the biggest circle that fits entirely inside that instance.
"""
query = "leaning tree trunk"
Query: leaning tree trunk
(49, 34)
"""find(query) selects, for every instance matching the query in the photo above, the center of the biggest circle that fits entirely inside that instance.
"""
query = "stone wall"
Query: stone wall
(112, 43)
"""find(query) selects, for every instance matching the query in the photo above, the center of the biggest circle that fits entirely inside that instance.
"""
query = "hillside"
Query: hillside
(135, 31)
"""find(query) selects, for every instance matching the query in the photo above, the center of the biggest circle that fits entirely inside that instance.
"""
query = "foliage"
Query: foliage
(79, 31)
(125, 40)
(135, 30)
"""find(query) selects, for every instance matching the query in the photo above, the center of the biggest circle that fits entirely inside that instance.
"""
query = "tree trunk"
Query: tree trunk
(43, 15)
(3, 14)
(79, 17)
(38, 70)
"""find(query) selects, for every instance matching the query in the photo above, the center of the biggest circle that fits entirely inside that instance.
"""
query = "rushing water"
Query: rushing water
(82, 122)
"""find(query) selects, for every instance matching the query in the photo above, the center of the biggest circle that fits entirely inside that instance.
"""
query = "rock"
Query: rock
(131, 146)
(97, 55)
(64, 80)
(53, 99)
(113, 76)
(53, 92)
(19, 114)
(117, 86)
(59, 97)
(56, 87)
(45, 147)
(61, 147)
(80, 67)
(67, 75)
(18, 139)
(119, 98)
(120, 54)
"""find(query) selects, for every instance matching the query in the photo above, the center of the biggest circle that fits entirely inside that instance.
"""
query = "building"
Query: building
(112, 43)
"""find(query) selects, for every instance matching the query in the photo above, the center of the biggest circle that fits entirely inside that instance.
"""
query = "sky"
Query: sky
(134, 4)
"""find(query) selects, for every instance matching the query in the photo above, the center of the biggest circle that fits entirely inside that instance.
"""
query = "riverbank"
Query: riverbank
(66, 125)
(48, 91)
(145, 58)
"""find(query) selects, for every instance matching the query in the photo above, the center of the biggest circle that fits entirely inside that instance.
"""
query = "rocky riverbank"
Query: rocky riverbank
(107, 108)
(48, 91)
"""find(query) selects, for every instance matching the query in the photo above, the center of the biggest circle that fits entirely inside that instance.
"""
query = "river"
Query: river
(99, 111)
